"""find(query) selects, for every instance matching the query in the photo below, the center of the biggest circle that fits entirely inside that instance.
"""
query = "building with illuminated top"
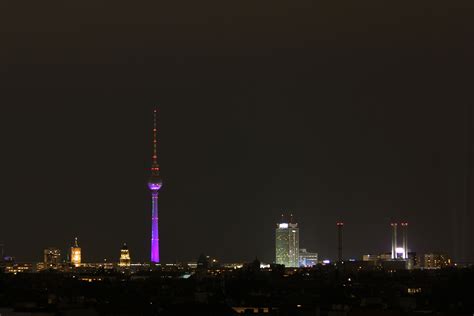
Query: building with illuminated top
(76, 254)
(287, 248)
(124, 260)
(154, 184)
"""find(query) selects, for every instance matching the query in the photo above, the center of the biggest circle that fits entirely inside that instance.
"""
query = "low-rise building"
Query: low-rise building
(307, 259)
(436, 261)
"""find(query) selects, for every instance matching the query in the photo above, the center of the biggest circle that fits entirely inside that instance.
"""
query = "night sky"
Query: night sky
(351, 112)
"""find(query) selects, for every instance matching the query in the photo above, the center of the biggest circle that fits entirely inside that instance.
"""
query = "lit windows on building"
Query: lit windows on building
(124, 261)
(414, 290)
(51, 257)
(15, 268)
(308, 259)
(76, 254)
(436, 261)
(371, 258)
(287, 244)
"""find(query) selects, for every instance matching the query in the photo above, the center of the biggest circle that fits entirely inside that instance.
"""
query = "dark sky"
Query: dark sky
(329, 111)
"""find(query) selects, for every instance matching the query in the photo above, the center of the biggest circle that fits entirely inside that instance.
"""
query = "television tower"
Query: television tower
(154, 184)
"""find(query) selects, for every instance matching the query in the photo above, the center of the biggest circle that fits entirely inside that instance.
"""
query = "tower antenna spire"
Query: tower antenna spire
(155, 167)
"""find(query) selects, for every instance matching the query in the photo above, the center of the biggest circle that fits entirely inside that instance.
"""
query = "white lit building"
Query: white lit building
(287, 244)
(308, 259)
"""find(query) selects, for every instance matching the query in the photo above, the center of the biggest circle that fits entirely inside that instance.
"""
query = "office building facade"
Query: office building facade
(287, 249)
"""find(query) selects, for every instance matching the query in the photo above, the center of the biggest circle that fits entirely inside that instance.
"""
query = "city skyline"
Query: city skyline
(332, 113)
(330, 244)
(287, 249)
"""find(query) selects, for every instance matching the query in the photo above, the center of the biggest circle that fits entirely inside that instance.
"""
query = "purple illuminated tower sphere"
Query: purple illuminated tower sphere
(154, 184)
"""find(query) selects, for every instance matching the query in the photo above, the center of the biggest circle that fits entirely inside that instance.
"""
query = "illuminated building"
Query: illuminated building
(400, 252)
(308, 259)
(371, 258)
(385, 256)
(154, 184)
(287, 244)
(436, 261)
(124, 260)
(76, 254)
(414, 290)
(51, 257)
(19, 268)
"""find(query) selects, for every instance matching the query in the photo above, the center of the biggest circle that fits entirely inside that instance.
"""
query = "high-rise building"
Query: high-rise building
(287, 244)
(124, 260)
(154, 184)
(51, 257)
(76, 254)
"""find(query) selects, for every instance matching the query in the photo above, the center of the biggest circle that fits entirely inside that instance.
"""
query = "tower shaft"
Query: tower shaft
(155, 237)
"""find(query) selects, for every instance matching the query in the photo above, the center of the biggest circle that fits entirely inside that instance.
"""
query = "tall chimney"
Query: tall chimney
(394, 240)
(340, 226)
(405, 239)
